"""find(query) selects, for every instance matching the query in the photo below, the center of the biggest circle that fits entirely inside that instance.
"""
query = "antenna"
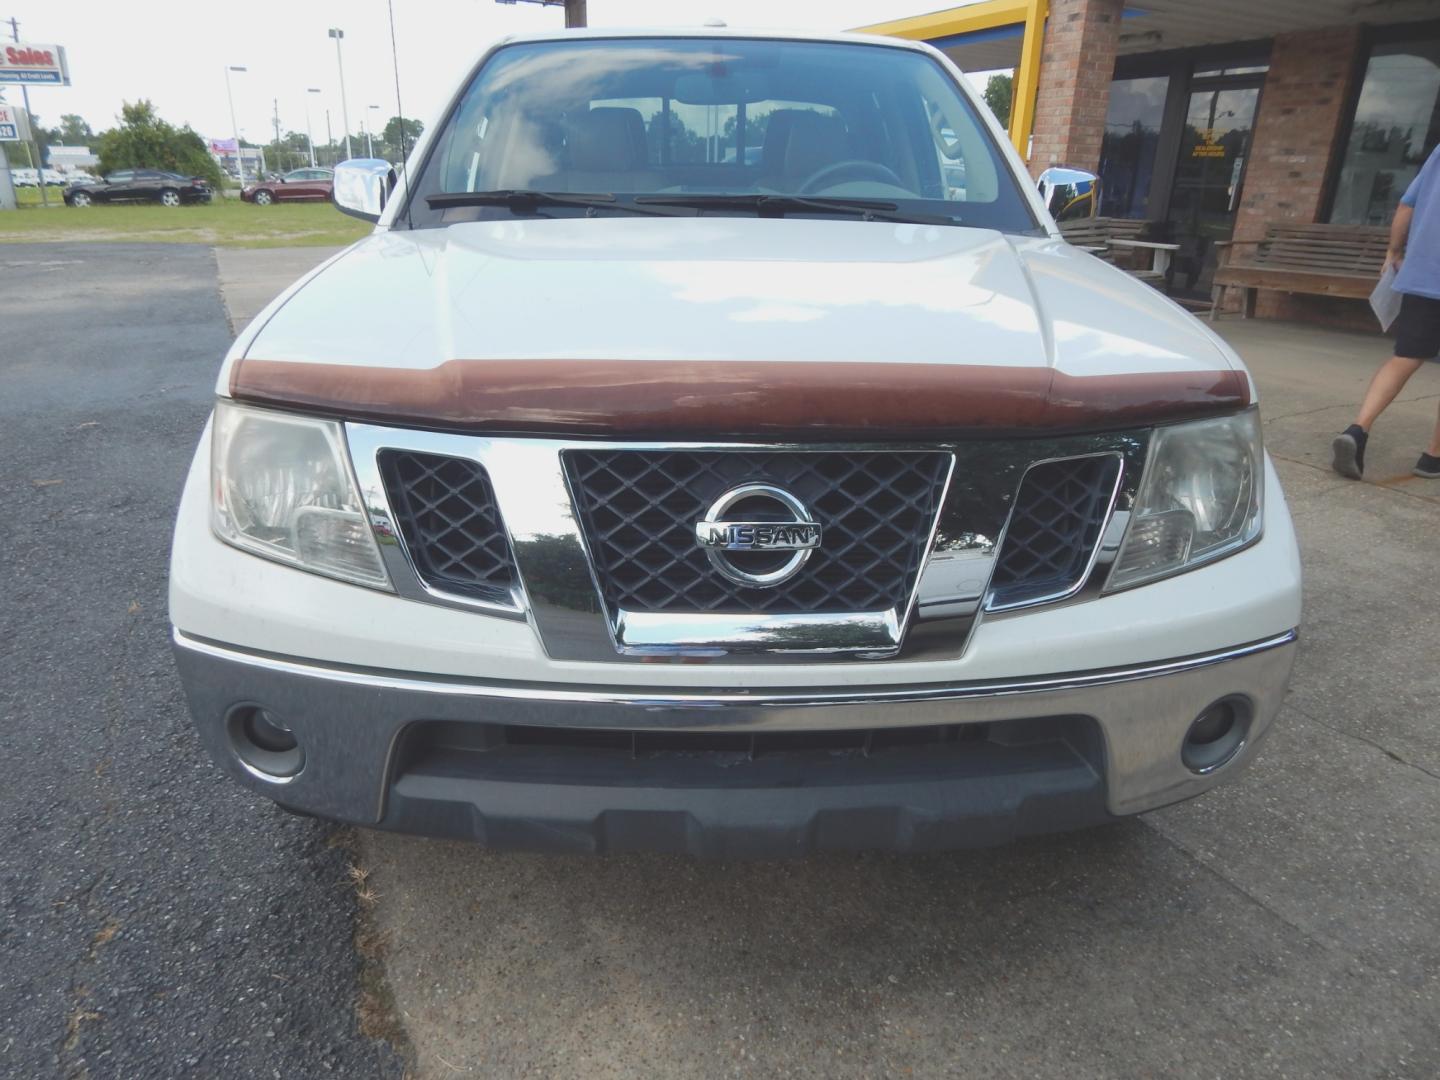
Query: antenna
(400, 110)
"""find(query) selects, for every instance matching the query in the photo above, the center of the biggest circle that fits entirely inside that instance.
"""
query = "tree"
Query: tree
(391, 137)
(999, 89)
(291, 152)
(43, 138)
(73, 130)
(142, 140)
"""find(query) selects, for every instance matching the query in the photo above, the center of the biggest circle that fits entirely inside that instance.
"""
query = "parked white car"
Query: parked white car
(628, 489)
(25, 177)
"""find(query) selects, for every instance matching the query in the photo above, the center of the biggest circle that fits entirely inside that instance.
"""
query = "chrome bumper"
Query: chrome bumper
(350, 723)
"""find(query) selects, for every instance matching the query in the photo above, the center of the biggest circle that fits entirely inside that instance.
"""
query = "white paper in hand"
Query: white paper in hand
(1385, 301)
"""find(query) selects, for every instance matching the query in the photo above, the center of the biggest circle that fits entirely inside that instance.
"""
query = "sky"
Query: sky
(175, 52)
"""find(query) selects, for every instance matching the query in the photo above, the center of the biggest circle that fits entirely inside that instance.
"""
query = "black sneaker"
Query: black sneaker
(1349, 451)
(1428, 466)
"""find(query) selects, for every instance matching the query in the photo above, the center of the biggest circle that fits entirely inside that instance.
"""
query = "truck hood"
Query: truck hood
(731, 326)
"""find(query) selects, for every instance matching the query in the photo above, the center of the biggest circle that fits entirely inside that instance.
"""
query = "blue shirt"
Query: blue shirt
(1420, 272)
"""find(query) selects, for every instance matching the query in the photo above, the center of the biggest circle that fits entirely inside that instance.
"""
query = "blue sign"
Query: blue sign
(16, 75)
(9, 133)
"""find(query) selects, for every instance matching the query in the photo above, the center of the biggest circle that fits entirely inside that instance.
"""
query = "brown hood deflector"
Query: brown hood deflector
(712, 398)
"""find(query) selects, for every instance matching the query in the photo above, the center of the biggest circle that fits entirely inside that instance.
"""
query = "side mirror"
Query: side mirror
(1070, 194)
(362, 187)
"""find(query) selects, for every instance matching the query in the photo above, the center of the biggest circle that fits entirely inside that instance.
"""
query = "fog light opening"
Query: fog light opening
(1216, 735)
(265, 745)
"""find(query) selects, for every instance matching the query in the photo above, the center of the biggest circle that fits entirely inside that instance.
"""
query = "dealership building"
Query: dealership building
(1212, 119)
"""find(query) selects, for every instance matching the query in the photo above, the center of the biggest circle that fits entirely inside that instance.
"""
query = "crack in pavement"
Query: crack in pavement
(1347, 405)
(1392, 484)
(1391, 754)
(1235, 886)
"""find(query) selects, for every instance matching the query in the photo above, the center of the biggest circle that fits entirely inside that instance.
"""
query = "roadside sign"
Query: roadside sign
(21, 62)
(14, 124)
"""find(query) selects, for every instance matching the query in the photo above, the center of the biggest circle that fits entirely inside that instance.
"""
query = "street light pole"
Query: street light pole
(370, 131)
(338, 35)
(329, 139)
(234, 127)
(309, 138)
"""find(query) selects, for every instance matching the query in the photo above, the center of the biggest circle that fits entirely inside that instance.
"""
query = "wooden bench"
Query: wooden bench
(1318, 260)
(1107, 237)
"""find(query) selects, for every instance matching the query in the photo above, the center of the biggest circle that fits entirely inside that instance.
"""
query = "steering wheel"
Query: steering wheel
(854, 169)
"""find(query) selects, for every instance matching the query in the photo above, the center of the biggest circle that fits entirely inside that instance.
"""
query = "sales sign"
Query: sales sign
(14, 124)
(21, 62)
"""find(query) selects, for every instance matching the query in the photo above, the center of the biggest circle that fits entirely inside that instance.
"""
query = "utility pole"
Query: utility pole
(34, 145)
(275, 105)
(370, 132)
(329, 139)
(339, 35)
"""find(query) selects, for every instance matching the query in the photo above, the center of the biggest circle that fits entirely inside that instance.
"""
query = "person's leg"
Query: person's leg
(1387, 383)
(1348, 448)
(1429, 464)
(1417, 339)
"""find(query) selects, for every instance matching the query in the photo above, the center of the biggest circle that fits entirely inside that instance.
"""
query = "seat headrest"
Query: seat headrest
(815, 141)
(608, 139)
(777, 137)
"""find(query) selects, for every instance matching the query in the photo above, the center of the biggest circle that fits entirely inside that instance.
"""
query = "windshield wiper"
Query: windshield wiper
(521, 200)
(780, 205)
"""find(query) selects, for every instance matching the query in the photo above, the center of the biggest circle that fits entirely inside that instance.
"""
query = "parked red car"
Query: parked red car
(298, 185)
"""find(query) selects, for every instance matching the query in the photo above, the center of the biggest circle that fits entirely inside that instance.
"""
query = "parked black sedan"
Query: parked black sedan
(140, 185)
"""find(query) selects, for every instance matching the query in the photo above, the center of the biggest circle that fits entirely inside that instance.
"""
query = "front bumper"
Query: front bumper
(536, 766)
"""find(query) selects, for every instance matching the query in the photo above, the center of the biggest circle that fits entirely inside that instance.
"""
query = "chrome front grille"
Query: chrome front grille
(638, 509)
(1055, 527)
(595, 543)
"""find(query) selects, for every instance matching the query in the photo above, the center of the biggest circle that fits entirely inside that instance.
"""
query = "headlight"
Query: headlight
(281, 487)
(1201, 498)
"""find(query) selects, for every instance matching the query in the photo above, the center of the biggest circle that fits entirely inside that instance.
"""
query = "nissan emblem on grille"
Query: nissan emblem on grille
(748, 531)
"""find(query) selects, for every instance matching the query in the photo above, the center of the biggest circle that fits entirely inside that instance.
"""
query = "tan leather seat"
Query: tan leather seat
(605, 151)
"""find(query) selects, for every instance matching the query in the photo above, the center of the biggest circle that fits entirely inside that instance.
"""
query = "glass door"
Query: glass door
(1213, 150)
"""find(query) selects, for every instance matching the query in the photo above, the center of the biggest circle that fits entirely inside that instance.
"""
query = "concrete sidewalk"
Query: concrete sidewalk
(250, 277)
(1286, 925)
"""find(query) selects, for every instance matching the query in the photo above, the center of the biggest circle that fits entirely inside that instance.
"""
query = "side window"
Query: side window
(122, 177)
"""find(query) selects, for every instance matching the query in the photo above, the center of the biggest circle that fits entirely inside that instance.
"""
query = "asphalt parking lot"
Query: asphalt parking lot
(159, 921)
(154, 922)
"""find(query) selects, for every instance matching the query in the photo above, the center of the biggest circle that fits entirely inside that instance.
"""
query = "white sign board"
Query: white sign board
(14, 124)
(22, 62)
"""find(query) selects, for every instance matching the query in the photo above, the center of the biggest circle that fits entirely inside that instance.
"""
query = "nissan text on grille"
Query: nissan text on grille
(715, 448)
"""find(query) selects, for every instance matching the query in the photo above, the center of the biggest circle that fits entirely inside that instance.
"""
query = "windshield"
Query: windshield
(716, 125)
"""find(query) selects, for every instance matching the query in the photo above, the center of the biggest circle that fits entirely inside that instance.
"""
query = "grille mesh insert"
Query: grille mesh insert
(639, 508)
(1058, 518)
(445, 509)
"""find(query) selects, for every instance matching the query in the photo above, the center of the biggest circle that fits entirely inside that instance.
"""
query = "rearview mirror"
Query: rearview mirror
(721, 88)
(362, 186)
(1070, 194)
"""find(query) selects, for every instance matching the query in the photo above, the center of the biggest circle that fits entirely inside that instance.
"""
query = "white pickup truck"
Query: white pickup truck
(715, 448)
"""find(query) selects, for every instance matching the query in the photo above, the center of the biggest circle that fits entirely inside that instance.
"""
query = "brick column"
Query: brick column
(1077, 63)
(1302, 110)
